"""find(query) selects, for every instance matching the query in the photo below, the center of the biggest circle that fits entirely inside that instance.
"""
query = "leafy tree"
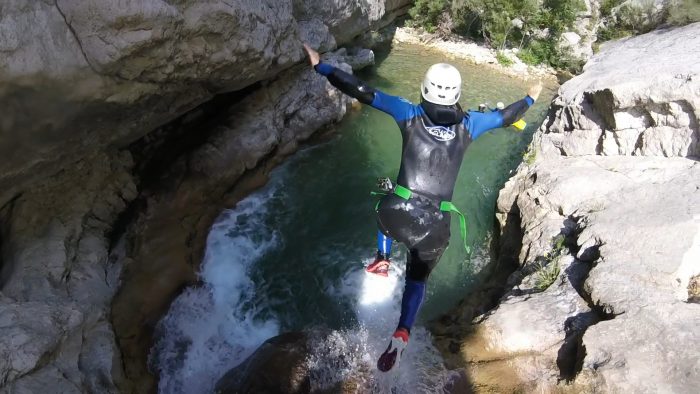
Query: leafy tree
(426, 13)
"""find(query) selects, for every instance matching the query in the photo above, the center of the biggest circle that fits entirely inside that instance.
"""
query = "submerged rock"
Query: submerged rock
(609, 220)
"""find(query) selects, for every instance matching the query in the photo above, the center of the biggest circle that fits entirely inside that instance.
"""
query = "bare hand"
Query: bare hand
(314, 58)
(535, 90)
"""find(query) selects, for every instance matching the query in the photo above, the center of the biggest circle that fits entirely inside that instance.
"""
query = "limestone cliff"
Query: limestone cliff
(126, 126)
(603, 221)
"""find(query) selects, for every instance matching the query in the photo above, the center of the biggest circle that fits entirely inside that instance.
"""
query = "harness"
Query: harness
(445, 206)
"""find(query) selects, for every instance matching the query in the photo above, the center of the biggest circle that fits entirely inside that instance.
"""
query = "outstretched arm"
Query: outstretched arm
(478, 122)
(353, 87)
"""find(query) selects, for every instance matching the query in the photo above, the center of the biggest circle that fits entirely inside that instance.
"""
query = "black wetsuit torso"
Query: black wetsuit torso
(431, 156)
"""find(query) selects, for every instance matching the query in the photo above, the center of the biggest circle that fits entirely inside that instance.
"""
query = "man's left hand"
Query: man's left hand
(314, 58)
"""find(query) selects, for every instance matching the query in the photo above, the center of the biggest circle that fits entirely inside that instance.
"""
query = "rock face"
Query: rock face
(96, 199)
(78, 77)
(58, 280)
(608, 208)
(578, 43)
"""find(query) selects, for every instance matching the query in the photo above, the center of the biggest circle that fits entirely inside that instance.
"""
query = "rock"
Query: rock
(97, 75)
(571, 38)
(615, 109)
(278, 366)
(57, 280)
(611, 200)
(357, 58)
(643, 14)
(633, 246)
(320, 361)
(576, 46)
(86, 167)
(31, 331)
(249, 138)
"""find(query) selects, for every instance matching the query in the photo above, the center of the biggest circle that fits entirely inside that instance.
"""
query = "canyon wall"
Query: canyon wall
(602, 221)
(127, 126)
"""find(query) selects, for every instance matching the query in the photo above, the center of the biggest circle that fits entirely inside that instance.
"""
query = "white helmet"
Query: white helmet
(442, 84)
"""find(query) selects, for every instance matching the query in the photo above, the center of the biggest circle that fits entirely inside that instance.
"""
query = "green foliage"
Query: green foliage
(548, 269)
(505, 23)
(492, 20)
(544, 51)
(642, 17)
(547, 273)
(606, 6)
(559, 15)
(612, 33)
(503, 59)
(558, 244)
(426, 13)
(528, 57)
(529, 157)
(684, 12)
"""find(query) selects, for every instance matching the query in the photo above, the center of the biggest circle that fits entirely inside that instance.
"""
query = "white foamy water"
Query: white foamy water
(214, 327)
(350, 355)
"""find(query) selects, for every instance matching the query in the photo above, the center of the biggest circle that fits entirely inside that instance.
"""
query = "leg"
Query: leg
(380, 266)
(383, 245)
(418, 268)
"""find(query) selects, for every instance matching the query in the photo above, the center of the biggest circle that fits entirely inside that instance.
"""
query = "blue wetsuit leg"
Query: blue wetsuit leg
(413, 295)
(384, 244)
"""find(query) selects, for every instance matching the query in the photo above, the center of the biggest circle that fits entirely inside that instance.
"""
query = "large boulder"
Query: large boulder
(638, 96)
(278, 366)
(608, 214)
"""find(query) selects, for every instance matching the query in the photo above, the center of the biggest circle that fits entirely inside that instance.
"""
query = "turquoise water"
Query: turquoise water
(291, 256)
(329, 217)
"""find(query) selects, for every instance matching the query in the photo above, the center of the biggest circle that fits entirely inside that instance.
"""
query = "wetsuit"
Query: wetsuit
(435, 138)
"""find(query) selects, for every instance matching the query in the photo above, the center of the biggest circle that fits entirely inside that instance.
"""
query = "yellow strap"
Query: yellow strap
(520, 125)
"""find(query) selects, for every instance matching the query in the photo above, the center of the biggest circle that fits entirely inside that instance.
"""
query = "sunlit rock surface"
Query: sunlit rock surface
(607, 207)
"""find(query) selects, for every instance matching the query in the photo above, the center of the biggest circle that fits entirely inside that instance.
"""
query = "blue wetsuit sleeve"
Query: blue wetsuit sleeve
(324, 69)
(480, 122)
(396, 106)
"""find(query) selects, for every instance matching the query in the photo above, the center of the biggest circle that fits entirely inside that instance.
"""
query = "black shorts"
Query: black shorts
(419, 224)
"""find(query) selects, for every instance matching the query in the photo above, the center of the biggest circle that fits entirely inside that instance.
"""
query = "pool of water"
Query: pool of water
(291, 256)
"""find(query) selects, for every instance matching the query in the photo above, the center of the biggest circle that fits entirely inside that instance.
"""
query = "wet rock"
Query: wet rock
(301, 362)
(278, 366)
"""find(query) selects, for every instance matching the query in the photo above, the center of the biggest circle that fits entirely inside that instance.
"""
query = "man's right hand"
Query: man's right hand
(314, 58)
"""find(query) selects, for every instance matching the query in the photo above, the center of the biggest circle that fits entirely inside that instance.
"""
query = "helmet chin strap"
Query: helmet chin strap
(443, 114)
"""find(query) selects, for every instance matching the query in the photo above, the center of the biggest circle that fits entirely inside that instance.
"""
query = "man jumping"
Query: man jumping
(436, 133)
